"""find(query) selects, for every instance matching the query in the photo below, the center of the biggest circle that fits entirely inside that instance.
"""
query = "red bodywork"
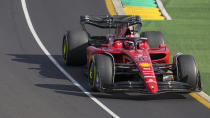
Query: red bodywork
(140, 55)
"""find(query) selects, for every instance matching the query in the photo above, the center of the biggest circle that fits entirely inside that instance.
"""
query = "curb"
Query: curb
(204, 96)
(118, 7)
(120, 11)
(163, 10)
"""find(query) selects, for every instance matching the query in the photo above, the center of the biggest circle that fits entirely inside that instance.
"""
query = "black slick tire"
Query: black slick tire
(187, 71)
(101, 72)
(74, 48)
(154, 38)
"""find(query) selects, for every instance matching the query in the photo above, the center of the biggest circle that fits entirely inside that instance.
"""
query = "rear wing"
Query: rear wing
(109, 21)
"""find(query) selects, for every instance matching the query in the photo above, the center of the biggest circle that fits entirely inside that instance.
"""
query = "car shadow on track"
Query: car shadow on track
(48, 70)
(73, 90)
(40, 63)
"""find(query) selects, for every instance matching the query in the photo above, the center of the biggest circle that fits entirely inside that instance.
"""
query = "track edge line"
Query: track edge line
(118, 7)
(47, 53)
(204, 95)
(163, 10)
(201, 97)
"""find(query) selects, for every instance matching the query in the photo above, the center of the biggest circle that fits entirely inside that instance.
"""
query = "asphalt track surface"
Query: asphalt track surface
(32, 87)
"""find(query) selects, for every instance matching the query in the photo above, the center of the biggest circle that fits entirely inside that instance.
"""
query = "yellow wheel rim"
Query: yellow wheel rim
(65, 50)
(93, 73)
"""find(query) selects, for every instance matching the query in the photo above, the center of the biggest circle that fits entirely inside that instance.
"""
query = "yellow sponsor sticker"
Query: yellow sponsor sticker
(144, 64)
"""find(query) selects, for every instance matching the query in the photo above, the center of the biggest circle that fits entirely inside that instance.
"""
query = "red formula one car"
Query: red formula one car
(128, 61)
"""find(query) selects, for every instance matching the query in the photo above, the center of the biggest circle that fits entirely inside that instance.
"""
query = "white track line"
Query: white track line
(36, 37)
(163, 10)
(118, 7)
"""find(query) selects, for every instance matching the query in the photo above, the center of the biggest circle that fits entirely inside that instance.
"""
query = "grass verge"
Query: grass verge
(187, 32)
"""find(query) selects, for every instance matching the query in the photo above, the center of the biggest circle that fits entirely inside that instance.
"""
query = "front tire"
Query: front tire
(187, 71)
(101, 72)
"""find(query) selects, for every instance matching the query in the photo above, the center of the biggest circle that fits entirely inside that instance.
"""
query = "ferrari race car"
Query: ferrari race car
(126, 60)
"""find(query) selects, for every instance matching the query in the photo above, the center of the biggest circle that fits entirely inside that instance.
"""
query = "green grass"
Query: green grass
(188, 32)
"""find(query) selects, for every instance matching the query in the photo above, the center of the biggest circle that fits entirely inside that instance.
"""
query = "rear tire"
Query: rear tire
(187, 71)
(101, 72)
(154, 38)
(74, 48)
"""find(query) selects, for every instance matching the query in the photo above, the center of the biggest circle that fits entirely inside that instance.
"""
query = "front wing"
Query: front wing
(163, 87)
